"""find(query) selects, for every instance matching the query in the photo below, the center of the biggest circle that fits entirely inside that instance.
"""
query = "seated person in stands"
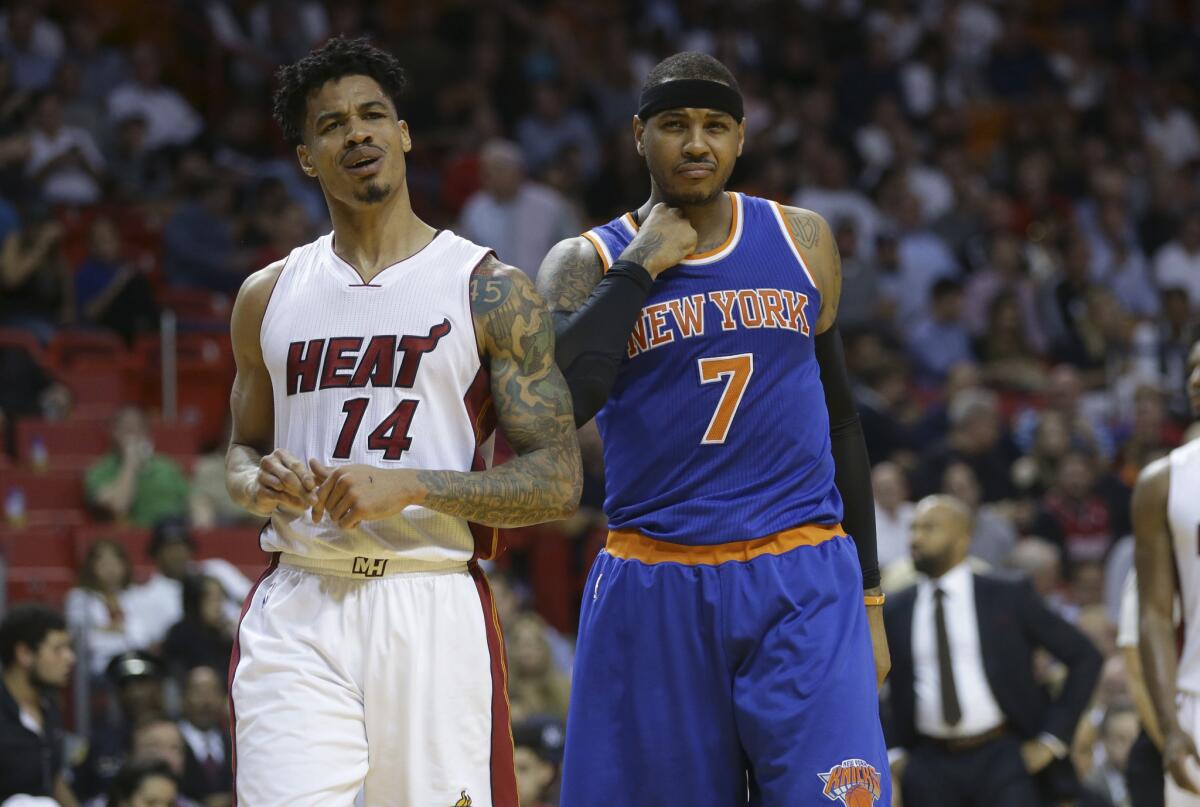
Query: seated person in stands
(131, 483)
(141, 782)
(110, 291)
(97, 609)
(211, 504)
(205, 634)
(208, 769)
(159, 601)
(537, 758)
(157, 752)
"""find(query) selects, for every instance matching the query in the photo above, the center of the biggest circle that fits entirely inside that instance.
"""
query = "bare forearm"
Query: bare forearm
(117, 496)
(539, 486)
(241, 467)
(1159, 665)
(1141, 697)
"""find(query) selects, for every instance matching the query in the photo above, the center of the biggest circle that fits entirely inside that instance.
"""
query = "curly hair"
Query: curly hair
(689, 64)
(338, 57)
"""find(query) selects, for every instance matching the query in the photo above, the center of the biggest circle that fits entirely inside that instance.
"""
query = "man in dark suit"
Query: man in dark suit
(969, 724)
(208, 772)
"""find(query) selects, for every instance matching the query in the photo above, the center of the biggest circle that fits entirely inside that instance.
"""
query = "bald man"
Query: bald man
(968, 723)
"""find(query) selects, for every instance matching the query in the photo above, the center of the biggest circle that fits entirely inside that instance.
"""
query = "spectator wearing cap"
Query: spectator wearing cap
(518, 218)
(36, 656)
(537, 758)
(137, 679)
(160, 599)
(132, 483)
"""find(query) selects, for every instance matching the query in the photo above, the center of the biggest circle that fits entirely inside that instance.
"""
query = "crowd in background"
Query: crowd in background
(1014, 187)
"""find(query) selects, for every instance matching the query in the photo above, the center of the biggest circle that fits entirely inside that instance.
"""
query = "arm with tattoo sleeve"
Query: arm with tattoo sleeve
(533, 407)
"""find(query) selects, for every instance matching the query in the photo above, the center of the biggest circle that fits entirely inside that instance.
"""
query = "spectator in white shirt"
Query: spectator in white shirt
(97, 609)
(1177, 263)
(64, 161)
(1170, 129)
(518, 218)
(171, 120)
(159, 601)
(893, 512)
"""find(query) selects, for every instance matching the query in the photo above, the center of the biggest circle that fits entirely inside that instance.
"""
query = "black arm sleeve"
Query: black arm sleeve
(852, 466)
(591, 341)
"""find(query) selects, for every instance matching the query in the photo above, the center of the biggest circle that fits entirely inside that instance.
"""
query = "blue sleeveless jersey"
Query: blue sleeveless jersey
(716, 428)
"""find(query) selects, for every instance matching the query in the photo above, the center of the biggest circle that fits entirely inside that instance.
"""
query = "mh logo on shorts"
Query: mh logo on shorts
(369, 567)
(854, 783)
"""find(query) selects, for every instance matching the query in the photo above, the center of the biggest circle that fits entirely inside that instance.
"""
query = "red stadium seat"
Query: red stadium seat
(178, 440)
(205, 371)
(72, 442)
(46, 490)
(100, 389)
(43, 584)
(37, 547)
(15, 337)
(74, 348)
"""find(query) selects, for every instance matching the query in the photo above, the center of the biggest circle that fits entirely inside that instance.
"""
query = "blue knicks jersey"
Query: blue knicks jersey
(716, 428)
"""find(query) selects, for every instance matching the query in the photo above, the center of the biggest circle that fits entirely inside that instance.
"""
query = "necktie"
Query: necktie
(951, 710)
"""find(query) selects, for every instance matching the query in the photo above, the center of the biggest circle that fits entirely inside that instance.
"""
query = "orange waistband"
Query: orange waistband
(632, 545)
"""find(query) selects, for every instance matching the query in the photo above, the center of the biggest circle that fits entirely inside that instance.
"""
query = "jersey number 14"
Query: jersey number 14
(391, 436)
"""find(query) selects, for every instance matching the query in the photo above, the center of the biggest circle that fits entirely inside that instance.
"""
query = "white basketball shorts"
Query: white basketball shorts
(348, 681)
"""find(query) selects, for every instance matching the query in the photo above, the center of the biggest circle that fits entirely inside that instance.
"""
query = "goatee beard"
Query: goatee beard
(931, 567)
(374, 194)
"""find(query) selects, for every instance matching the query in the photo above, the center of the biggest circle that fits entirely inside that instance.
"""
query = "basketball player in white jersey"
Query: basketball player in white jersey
(1166, 527)
(372, 365)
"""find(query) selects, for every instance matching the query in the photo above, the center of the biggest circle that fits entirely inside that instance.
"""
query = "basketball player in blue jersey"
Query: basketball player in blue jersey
(725, 652)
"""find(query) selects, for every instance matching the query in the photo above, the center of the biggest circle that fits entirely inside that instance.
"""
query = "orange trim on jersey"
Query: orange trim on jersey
(733, 226)
(632, 545)
(599, 249)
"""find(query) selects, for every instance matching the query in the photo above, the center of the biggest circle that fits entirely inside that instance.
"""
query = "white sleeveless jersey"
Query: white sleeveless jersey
(1183, 517)
(385, 373)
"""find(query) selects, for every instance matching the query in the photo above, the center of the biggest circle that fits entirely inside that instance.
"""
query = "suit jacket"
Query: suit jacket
(196, 783)
(1013, 623)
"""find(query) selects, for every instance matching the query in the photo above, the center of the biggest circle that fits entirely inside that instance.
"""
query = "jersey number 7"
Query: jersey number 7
(735, 371)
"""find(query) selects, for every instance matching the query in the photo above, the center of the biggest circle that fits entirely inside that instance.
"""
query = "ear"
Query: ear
(741, 136)
(405, 136)
(25, 656)
(639, 133)
(305, 160)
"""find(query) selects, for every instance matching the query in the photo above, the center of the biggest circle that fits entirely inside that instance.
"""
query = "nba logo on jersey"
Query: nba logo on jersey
(854, 782)
(369, 567)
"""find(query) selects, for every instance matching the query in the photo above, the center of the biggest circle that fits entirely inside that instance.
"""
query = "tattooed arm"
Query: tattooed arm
(533, 407)
(595, 310)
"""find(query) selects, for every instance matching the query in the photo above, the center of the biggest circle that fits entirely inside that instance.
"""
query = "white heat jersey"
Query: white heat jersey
(385, 373)
(1183, 517)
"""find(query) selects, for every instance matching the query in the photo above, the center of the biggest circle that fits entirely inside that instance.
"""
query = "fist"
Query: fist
(665, 239)
(352, 494)
(281, 481)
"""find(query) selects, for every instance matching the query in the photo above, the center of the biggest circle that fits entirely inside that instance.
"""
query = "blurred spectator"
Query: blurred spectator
(1075, 515)
(160, 599)
(1170, 128)
(132, 483)
(924, 259)
(27, 390)
(977, 438)
(859, 304)
(200, 244)
(65, 163)
(1005, 350)
(893, 512)
(537, 757)
(144, 783)
(1177, 263)
(31, 43)
(940, 340)
(137, 173)
(101, 68)
(831, 194)
(170, 120)
(36, 657)
(513, 604)
(1006, 270)
(993, 536)
(97, 609)
(552, 128)
(203, 637)
(110, 291)
(208, 771)
(521, 220)
(210, 504)
(1117, 734)
(1081, 418)
(33, 276)
(536, 687)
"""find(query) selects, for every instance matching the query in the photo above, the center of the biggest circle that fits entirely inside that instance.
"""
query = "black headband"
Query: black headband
(697, 93)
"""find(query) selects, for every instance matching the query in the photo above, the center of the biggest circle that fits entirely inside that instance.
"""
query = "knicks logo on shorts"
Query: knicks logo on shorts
(854, 783)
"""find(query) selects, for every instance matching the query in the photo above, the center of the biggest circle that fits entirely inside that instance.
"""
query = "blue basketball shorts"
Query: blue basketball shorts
(735, 674)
